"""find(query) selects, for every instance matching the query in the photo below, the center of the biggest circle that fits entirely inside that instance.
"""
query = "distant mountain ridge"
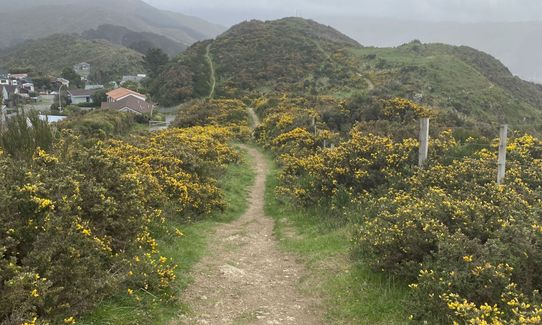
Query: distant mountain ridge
(138, 41)
(32, 19)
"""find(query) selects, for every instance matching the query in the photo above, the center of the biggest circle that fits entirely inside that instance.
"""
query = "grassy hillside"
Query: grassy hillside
(50, 55)
(46, 17)
(278, 54)
(515, 45)
(460, 79)
(302, 57)
(291, 54)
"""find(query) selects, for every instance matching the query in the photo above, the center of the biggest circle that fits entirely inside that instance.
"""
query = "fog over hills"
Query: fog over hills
(32, 19)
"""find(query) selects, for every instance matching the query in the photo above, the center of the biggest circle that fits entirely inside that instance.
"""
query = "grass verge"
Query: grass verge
(351, 293)
(185, 251)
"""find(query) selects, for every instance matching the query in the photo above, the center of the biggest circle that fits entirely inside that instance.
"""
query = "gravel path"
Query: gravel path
(246, 279)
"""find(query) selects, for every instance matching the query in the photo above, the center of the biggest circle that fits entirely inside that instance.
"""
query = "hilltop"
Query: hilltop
(50, 55)
(41, 18)
(303, 57)
(286, 54)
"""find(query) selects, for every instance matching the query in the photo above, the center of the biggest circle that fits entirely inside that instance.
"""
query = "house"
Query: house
(18, 76)
(28, 86)
(122, 93)
(81, 96)
(137, 78)
(130, 104)
(62, 81)
(94, 87)
(82, 69)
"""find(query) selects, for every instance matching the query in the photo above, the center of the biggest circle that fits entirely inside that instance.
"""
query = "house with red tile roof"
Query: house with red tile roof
(122, 93)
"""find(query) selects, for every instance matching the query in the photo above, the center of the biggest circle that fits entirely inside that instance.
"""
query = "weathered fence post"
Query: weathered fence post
(3, 117)
(424, 141)
(503, 142)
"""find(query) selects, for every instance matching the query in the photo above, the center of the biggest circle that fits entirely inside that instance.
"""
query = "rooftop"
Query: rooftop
(123, 92)
(82, 92)
(132, 103)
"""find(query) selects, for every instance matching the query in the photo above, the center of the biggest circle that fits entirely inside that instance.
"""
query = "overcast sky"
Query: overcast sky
(228, 12)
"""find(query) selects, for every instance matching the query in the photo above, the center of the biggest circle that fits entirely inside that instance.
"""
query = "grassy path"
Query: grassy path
(212, 77)
(246, 278)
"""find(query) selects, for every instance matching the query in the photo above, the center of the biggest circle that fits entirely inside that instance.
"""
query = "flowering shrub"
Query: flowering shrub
(181, 164)
(362, 163)
(469, 245)
(228, 113)
(77, 221)
(401, 108)
(470, 248)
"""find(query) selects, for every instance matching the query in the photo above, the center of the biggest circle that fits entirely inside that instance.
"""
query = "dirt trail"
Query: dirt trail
(246, 279)
(212, 77)
(255, 120)
(370, 84)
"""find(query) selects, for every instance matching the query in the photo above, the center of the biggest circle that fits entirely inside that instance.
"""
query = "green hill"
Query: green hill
(50, 55)
(283, 55)
(303, 57)
(460, 79)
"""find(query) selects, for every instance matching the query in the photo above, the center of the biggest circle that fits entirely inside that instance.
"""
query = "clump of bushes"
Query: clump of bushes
(228, 113)
(100, 123)
(470, 244)
(79, 214)
(469, 248)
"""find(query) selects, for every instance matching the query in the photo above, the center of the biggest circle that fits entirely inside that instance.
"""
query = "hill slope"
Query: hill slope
(46, 17)
(303, 57)
(50, 55)
(138, 41)
(274, 55)
(514, 43)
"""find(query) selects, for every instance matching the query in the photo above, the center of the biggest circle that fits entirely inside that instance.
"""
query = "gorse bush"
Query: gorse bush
(78, 220)
(470, 249)
(470, 244)
(228, 113)
(100, 123)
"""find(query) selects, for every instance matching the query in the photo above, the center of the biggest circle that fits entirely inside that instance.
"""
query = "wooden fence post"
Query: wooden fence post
(424, 141)
(3, 117)
(503, 142)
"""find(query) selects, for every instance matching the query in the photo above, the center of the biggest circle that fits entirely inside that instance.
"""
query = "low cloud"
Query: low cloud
(431, 10)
